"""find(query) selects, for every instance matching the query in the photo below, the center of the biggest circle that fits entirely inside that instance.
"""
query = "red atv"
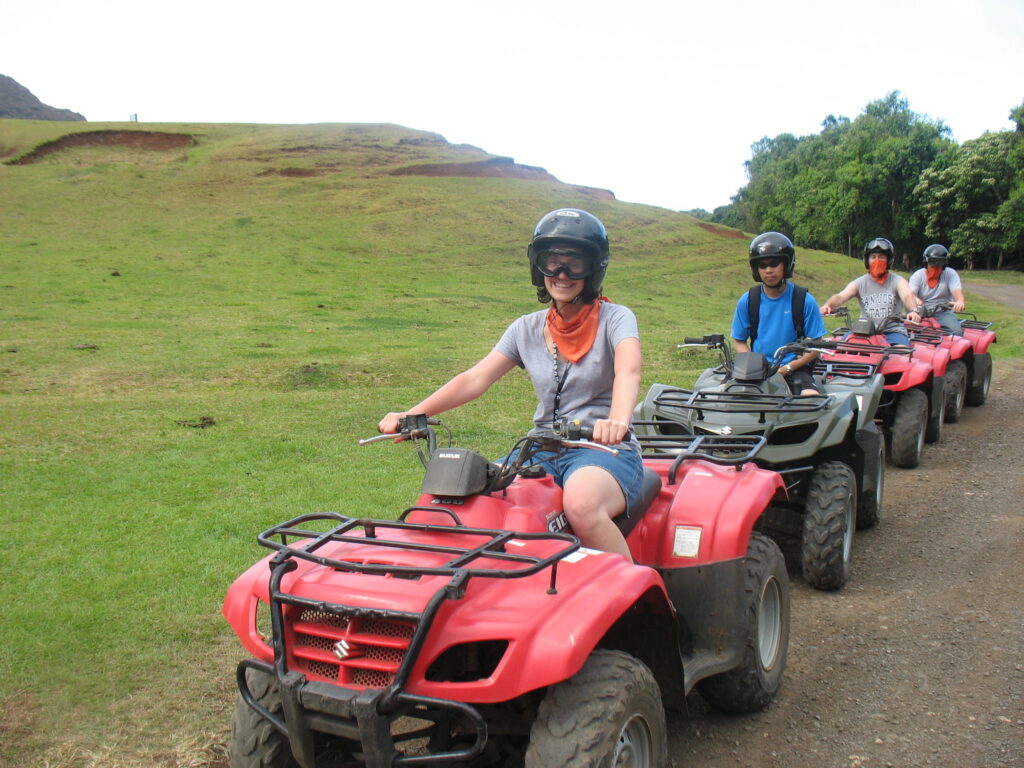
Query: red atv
(912, 409)
(475, 630)
(969, 374)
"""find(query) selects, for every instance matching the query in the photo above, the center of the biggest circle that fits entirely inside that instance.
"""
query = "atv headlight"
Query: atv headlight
(686, 542)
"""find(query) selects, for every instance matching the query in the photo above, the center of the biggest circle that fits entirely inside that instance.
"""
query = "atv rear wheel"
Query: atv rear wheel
(936, 417)
(830, 516)
(977, 395)
(908, 428)
(607, 714)
(956, 390)
(254, 742)
(756, 680)
(869, 512)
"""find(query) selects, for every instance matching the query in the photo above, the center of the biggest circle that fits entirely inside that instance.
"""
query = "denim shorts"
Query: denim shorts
(627, 468)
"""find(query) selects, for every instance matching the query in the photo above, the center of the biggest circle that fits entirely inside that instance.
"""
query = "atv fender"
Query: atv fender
(713, 509)
(550, 636)
(868, 440)
(937, 396)
(980, 368)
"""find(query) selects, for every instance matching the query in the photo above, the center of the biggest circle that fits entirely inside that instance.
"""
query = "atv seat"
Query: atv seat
(650, 485)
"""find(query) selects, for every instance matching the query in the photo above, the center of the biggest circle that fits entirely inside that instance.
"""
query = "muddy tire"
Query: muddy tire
(869, 512)
(936, 417)
(254, 742)
(607, 714)
(830, 517)
(754, 683)
(908, 428)
(977, 395)
(956, 390)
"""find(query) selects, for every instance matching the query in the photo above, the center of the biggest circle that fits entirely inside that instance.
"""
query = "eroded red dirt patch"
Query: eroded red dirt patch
(151, 140)
(718, 229)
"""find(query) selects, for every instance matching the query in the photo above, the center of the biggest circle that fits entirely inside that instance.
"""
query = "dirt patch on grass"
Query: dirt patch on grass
(718, 229)
(494, 168)
(148, 140)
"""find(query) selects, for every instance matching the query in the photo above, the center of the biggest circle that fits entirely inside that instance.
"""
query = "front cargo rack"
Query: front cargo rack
(715, 401)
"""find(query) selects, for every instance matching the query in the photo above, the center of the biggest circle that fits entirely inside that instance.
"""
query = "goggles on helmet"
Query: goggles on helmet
(572, 263)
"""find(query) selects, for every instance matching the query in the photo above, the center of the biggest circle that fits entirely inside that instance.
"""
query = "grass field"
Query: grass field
(192, 341)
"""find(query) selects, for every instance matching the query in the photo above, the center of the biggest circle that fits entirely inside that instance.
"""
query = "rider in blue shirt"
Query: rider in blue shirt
(772, 261)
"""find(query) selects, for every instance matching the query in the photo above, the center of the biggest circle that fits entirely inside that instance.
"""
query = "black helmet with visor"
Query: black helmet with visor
(882, 246)
(935, 255)
(772, 246)
(571, 242)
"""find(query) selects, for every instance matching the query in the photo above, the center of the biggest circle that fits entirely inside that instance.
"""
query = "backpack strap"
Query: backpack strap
(799, 299)
(754, 310)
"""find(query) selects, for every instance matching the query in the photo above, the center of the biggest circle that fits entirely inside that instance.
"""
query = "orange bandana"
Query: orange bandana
(933, 274)
(878, 270)
(575, 337)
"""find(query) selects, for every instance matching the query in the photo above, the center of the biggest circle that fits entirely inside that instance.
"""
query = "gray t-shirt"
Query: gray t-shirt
(881, 301)
(949, 281)
(587, 389)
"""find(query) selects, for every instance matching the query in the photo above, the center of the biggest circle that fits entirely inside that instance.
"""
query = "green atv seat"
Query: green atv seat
(649, 487)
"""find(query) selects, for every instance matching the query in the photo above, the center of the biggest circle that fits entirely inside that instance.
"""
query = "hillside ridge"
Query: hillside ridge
(19, 103)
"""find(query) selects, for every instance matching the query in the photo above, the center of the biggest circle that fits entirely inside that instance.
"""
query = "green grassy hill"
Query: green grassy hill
(195, 332)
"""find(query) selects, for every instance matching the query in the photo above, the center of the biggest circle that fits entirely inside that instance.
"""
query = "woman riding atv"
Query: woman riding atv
(583, 356)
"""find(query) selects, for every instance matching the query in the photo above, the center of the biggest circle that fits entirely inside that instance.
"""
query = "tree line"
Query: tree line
(889, 173)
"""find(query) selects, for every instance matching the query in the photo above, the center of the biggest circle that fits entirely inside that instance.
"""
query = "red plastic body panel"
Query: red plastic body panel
(549, 635)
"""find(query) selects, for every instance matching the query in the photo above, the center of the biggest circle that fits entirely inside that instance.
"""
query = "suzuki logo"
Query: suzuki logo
(342, 649)
(726, 430)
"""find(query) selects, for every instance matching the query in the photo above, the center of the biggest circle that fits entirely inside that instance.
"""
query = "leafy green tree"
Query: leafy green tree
(972, 198)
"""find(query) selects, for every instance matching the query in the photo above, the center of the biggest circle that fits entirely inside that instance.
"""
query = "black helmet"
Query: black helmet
(770, 245)
(936, 255)
(573, 230)
(880, 245)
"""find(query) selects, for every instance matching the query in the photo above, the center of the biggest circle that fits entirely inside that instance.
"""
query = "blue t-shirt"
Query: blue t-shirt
(775, 323)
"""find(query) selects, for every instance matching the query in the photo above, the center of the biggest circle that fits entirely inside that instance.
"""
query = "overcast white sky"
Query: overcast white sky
(657, 101)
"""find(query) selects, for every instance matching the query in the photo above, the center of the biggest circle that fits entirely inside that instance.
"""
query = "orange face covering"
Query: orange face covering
(933, 274)
(878, 270)
(575, 337)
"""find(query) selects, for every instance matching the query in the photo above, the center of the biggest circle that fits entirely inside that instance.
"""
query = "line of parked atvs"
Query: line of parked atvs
(474, 630)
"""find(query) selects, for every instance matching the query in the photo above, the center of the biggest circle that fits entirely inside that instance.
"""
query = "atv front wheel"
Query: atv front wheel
(830, 515)
(908, 428)
(956, 390)
(870, 510)
(255, 743)
(756, 680)
(977, 395)
(936, 417)
(607, 714)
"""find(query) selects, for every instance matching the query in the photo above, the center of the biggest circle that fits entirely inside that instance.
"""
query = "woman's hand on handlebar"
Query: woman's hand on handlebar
(389, 424)
(609, 432)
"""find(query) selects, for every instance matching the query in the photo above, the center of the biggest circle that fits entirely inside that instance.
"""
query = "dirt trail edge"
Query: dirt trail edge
(920, 660)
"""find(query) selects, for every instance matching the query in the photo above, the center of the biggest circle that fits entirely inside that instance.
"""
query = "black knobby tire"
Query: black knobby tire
(956, 390)
(977, 395)
(936, 417)
(607, 714)
(830, 517)
(869, 512)
(255, 743)
(908, 428)
(752, 685)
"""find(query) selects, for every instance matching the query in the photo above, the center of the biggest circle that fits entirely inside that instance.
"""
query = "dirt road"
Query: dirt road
(920, 660)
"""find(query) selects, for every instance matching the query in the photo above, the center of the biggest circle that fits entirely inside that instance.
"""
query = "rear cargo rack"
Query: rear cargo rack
(729, 450)
(981, 325)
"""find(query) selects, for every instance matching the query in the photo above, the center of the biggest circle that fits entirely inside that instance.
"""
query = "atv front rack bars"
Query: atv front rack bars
(462, 557)
(739, 402)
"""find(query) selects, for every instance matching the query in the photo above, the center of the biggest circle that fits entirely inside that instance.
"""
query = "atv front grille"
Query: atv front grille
(348, 650)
